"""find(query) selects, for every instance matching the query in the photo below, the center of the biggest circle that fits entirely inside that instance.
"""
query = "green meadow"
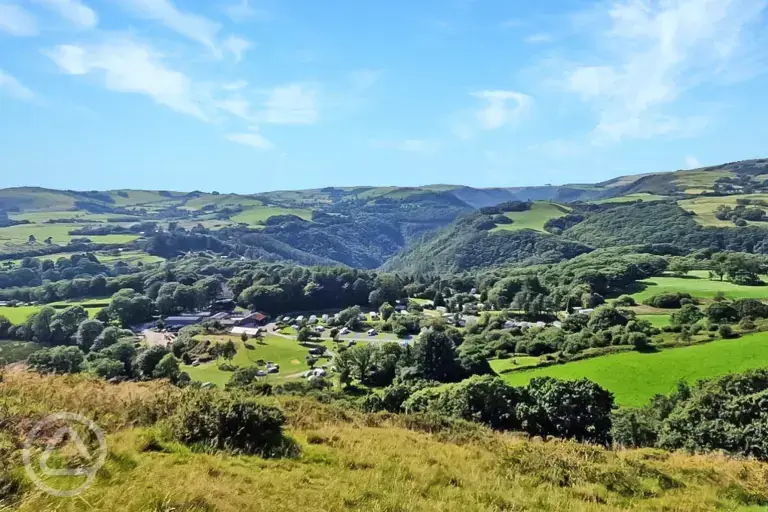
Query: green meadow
(698, 285)
(634, 377)
(285, 352)
(259, 214)
(535, 218)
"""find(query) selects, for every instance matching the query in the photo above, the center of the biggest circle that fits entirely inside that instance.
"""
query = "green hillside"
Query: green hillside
(535, 218)
(635, 377)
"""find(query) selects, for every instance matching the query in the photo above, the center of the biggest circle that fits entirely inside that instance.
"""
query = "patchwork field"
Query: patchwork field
(535, 218)
(698, 285)
(502, 365)
(704, 208)
(696, 182)
(635, 377)
(656, 320)
(282, 351)
(259, 214)
(631, 198)
(19, 314)
(15, 236)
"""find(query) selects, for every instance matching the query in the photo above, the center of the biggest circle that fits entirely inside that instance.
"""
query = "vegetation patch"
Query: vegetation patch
(535, 218)
(634, 377)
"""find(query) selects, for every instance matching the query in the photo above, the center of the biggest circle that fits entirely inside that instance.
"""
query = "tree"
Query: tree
(752, 308)
(244, 337)
(679, 266)
(605, 317)
(109, 336)
(87, 332)
(227, 350)
(306, 334)
(130, 307)
(687, 315)
(65, 323)
(40, 324)
(148, 360)
(334, 332)
(570, 409)
(107, 368)
(435, 357)
(5, 325)
(57, 360)
(167, 368)
(721, 312)
(438, 300)
(123, 351)
(386, 311)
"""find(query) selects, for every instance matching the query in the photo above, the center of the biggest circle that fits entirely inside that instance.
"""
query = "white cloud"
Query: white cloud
(657, 51)
(195, 27)
(243, 11)
(234, 86)
(691, 162)
(236, 106)
(13, 88)
(252, 139)
(290, 104)
(73, 10)
(497, 111)
(128, 66)
(16, 21)
(237, 45)
(541, 37)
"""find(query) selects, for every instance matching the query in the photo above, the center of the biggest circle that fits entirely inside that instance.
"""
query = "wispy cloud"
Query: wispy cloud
(10, 86)
(364, 79)
(657, 51)
(233, 86)
(501, 107)
(243, 11)
(237, 46)
(291, 104)
(128, 66)
(252, 139)
(541, 37)
(691, 162)
(195, 27)
(73, 10)
(16, 21)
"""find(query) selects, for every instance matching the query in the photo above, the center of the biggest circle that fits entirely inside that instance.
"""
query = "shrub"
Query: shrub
(233, 422)
(625, 301)
(725, 331)
(57, 360)
(671, 300)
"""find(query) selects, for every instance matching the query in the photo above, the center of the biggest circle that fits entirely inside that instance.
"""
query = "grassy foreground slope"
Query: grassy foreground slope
(362, 462)
(635, 377)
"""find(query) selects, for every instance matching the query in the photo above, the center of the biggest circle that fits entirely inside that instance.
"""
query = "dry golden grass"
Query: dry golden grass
(355, 461)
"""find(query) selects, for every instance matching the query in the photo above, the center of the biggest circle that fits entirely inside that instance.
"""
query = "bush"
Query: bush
(625, 301)
(226, 421)
(671, 300)
(725, 331)
(57, 360)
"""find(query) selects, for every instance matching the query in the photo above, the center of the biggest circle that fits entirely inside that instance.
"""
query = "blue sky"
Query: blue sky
(256, 95)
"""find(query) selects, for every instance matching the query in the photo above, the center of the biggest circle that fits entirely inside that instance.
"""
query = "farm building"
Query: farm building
(250, 331)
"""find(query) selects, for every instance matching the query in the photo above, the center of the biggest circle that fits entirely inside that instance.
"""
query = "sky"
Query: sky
(255, 95)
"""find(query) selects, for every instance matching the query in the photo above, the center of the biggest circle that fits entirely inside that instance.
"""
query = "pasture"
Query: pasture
(642, 196)
(704, 208)
(504, 365)
(19, 314)
(634, 377)
(285, 352)
(696, 182)
(15, 236)
(697, 284)
(258, 214)
(535, 218)
(656, 320)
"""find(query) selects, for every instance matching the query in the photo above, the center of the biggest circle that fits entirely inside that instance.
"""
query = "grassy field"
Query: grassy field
(351, 461)
(631, 197)
(535, 218)
(635, 377)
(694, 181)
(698, 285)
(287, 353)
(656, 320)
(16, 236)
(503, 365)
(705, 207)
(221, 201)
(14, 351)
(258, 214)
(19, 314)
